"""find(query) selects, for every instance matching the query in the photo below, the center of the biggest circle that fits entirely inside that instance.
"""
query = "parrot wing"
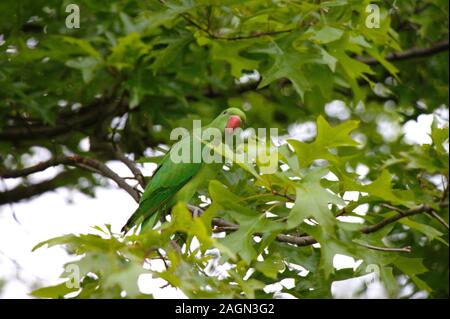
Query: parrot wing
(167, 180)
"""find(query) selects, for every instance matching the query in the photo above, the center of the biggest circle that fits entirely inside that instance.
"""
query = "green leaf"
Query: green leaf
(360, 40)
(57, 291)
(327, 137)
(55, 241)
(330, 245)
(427, 230)
(126, 279)
(381, 188)
(327, 35)
(171, 54)
(380, 58)
(127, 51)
(439, 137)
(232, 54)
(329, 59)
(413, 267)
(287, 65)
(389, 281)
(353, 68)
(271, 266)
(83, 45)
(241, 241)
(312, 201)
(88, 67)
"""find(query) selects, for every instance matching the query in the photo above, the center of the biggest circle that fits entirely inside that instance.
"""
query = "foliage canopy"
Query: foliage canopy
(135, 70)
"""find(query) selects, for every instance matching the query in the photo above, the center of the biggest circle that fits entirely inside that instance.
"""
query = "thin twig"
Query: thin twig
(213, 35)
(232, 38)
(223, 225)
(130, 164)
(249, 36)
(410, 53)
(435, 215)
(106, 172)
(176, 246)
(396, 209)
(406, 249)
(395, 56)
(285, 195)
(162, 258)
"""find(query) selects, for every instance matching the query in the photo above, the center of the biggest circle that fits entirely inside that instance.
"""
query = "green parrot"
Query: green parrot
(169, 181)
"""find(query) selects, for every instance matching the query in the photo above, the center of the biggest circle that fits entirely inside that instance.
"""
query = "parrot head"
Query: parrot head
(229, 119)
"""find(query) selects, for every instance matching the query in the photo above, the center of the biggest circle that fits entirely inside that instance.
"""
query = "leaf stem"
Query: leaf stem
(406, 249)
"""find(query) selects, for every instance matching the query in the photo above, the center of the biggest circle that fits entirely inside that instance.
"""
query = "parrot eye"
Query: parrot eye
(225, 112)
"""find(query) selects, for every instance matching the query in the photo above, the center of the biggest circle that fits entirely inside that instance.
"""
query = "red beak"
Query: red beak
(234, 122)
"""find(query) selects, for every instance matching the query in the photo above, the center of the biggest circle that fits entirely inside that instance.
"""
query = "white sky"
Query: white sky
(51, 215)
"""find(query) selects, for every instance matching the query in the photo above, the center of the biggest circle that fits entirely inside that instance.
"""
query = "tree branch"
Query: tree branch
(223, 225)
(9, 173)
(67, 121)
(106, 172)
(130, 164)
(24, 192)
(410, 53)
(75, 160)
(418, 210)
(113, 149)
